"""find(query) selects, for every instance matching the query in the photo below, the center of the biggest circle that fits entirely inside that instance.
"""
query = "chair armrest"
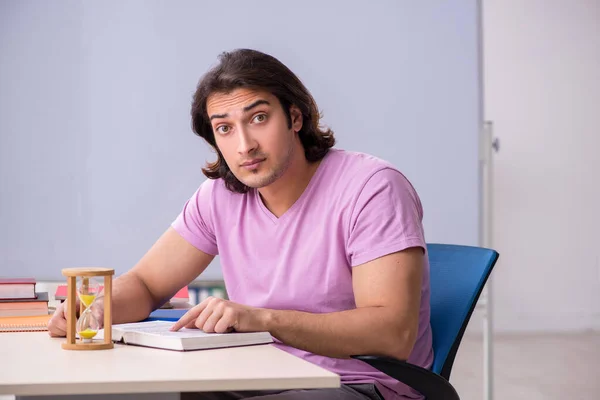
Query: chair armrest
(428, 383)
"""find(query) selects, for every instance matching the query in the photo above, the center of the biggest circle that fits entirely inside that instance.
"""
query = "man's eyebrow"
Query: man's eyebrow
(246, 109)
(218, 116)
(256, 103)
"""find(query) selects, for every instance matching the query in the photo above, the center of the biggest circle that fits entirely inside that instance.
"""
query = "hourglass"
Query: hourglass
(87, 289)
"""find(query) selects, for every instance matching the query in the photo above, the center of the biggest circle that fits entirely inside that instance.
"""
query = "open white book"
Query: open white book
(157, 334)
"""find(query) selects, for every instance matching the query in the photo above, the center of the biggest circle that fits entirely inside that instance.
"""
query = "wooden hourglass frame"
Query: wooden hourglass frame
(86, 273)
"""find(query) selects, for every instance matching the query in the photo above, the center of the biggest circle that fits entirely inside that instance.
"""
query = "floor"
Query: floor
(532, 367)
(528, 367)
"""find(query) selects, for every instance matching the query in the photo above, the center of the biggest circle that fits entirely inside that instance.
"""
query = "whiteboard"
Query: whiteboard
(97, 156)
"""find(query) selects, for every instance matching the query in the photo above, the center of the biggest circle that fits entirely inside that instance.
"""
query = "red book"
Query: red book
(17, 288)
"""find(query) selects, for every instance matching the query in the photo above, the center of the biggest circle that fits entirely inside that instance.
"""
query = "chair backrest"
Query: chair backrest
(457, 277)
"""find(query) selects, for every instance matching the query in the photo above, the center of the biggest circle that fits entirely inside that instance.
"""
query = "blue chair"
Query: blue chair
(458, 275)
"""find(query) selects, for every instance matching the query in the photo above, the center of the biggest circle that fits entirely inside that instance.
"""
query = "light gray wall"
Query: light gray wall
(543, 94)
(96, 152)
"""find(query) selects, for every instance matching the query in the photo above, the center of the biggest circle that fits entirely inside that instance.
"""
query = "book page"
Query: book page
(161, 328)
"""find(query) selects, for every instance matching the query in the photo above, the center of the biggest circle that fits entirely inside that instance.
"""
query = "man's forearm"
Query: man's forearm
(132, 300)
(368, 330)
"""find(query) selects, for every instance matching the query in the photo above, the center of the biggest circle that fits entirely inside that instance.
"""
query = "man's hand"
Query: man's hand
(57, 326)
(220, 316)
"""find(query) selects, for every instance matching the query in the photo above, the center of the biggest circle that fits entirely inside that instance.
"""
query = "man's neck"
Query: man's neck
(282, 194)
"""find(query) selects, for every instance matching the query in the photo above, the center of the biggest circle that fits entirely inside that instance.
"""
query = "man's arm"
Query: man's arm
(385, 322)
(170, 264)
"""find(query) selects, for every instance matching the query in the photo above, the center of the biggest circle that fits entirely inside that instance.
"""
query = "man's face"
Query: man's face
(252, 133)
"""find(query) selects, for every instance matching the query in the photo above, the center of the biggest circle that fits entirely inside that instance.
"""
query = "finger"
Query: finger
(204, 315)
(210, 323)
(57, 327)
(226, 322)
(64, 306)
(189, 316)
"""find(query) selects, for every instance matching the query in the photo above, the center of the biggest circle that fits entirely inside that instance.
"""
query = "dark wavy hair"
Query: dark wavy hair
(245, 68)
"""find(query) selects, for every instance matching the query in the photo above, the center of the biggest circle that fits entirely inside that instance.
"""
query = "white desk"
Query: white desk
(32, 363)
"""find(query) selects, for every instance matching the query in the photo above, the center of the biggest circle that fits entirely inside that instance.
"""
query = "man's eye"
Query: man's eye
(260, 118)
(223, 129)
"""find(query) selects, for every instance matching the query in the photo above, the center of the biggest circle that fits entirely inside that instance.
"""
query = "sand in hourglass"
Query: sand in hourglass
(87, 325)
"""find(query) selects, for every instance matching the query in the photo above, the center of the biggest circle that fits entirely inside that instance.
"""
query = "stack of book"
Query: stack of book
(21, 307)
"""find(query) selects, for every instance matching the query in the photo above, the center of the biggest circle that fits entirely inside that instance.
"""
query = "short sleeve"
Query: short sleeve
(386, 218)
(195, 223)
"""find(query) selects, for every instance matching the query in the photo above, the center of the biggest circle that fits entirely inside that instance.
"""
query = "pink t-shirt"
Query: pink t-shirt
(356, 208)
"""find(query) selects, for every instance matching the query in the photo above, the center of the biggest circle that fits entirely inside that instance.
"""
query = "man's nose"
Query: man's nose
(246, 143)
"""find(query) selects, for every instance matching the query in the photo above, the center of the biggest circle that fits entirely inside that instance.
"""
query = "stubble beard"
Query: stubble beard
(274, 174)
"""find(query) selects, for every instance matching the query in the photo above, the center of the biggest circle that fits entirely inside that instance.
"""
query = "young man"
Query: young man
(321, 247)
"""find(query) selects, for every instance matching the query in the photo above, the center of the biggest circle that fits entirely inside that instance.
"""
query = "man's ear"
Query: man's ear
(296, 117)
